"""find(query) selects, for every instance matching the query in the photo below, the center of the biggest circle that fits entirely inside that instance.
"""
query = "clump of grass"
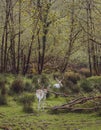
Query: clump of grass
(44, 81)
(17, 86)
(72, 76)
(29, 87)
(86, 86)
(3, 94)
(90, 84)
(27, 102)
(85, 72)
(3, 100)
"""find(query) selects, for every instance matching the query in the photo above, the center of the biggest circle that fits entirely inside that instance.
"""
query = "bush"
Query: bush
(4, 90)
(29, 76)
(27, 101)
(91, 83)
(17, 86)
(56, 75)
(35, 81)
(43, 81)
(95, 81)
(75, 89)
(69, 87)
(2, 83)
(29, 87)
(86, 85)
(73, 77)
(85, 72)
(3, 99)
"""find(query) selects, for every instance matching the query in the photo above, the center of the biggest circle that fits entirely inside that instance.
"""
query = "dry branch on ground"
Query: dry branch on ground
(70, 106)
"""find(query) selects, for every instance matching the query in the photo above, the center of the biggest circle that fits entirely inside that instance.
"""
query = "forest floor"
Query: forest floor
(13, 118)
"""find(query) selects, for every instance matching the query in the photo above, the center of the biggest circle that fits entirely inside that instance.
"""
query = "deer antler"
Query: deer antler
(39, 82)
(57, 79)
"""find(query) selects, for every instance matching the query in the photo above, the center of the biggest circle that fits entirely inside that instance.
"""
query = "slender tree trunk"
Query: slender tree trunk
(12, 39)
(19, 39)
(68, 53)
(6, 35)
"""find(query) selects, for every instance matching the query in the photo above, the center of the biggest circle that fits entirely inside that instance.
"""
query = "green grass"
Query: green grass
(13, 116)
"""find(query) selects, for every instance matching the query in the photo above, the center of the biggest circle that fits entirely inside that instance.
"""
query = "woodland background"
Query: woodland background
(50, 35)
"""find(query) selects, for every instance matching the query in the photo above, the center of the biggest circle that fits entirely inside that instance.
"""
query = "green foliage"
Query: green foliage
(35, 81)
(69, 87)
(3, 99)
(29, 87)
(2, 82)
(72, 76)
(86, 86)
(85, 72)
(75, 89)
(3, 95)
(95, 81)
(44, 81)
(90, 84)
(70, 81)
(17, 86)
(6, 78)
(29, 76)
(27, 101)
(4, 90)
(56, 75)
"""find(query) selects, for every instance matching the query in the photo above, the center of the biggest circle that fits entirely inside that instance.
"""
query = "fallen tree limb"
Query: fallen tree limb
(70, 106)
(85, 109)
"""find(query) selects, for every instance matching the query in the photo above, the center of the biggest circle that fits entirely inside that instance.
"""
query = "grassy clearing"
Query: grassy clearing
(14, 117)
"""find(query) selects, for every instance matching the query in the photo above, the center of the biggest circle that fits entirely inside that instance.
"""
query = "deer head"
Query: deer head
(60, 82)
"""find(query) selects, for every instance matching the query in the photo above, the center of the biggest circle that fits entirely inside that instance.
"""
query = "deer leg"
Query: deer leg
(39, 104)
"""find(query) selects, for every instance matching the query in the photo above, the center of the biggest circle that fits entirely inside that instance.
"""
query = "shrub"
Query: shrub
(69, 87)
(29, 87)
(2, 83)
(27, 101)
(75, 89)
(56, 75)
(29, 76)
(96, 82)
(3, 99)
(91, 83)
(43, 80)
(4, 90)
(35, 81)
(17, 86)
(86, 85)
(73, 77)
(85, 72)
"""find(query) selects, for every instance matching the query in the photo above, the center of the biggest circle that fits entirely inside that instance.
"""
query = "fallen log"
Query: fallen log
(70, 106)
(85, 109)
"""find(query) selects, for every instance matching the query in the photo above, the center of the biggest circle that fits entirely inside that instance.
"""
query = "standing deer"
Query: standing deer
(41, 95)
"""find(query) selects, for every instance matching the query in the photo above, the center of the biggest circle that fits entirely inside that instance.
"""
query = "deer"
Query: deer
(41, 95)
(59, 84)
